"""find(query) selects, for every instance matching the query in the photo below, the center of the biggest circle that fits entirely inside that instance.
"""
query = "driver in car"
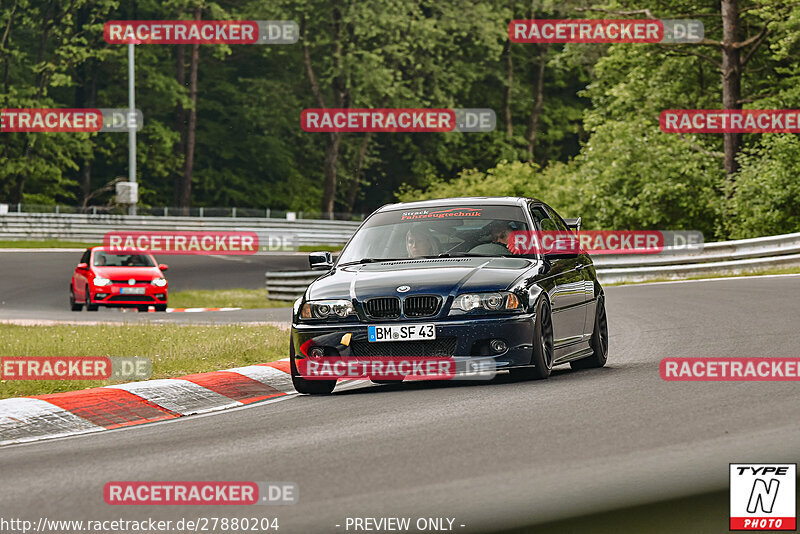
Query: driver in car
(500, 231)
(420, 243)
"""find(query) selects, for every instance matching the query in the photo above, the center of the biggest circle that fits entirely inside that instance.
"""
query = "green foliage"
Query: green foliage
(765, 197)
(555, 185)
(598, 151)
(636, 177)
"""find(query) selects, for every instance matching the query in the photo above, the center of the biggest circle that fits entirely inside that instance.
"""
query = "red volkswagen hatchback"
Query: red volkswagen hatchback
(118, 279)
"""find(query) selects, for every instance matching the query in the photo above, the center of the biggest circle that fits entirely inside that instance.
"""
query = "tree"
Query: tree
(735, 49)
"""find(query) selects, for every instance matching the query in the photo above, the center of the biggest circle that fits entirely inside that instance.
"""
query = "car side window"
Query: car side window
(557, 220)
(543, 219)
(85, 257)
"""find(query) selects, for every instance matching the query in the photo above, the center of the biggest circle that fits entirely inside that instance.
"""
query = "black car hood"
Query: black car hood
(440, 276)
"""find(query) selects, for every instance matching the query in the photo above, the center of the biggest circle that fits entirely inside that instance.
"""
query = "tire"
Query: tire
(542, 354)
(142, 308)
(598, 342)
(74, 306)
(161, 307)
(89, 306)
(309, 387)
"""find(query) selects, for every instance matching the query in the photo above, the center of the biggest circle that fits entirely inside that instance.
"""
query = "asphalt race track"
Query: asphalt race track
(494, 455)
(35, 285)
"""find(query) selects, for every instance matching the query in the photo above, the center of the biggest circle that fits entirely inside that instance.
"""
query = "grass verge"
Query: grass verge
(174, 350)
(786, 270)
(224, 298)
(697, 513)
(55, 243)
(49, 243)
(319, 248)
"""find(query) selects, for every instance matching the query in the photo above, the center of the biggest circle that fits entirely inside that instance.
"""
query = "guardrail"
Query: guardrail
(165, 211)
(288, 285)
(723, 257)
(91, 228)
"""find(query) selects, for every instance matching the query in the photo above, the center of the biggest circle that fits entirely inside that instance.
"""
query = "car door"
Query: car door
(80, 276)
(567, 297)
(583, 264)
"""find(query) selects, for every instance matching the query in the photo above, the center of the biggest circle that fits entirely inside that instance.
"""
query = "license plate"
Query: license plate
(131, 291)
(402, 332)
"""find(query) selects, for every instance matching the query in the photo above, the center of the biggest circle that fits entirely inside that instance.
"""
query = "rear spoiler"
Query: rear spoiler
(573, 224)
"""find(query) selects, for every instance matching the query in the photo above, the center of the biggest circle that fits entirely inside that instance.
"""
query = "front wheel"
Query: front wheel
(89, 305)
(599, 341)
(310, 387)
(74, 306)
(542, 356)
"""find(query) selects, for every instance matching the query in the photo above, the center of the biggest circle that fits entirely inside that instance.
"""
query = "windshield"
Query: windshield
(105, 259)
(433, 232)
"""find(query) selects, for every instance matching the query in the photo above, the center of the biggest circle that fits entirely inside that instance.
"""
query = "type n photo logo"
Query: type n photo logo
(763, 496)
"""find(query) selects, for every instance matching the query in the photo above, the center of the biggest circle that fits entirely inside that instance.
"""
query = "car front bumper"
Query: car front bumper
(460, 338)
(111, 295)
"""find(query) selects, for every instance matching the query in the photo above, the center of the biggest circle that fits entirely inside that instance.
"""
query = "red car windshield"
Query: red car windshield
(104, 259)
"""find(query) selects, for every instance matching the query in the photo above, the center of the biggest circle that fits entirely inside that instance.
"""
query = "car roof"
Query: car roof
(458, 201)
(123, 251)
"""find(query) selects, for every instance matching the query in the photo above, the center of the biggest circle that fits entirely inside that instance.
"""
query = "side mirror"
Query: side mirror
(573, 224)
(82, 266)
(162, 266)
(320, 261)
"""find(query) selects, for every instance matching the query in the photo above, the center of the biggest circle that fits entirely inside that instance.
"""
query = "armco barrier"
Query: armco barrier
(92, 228)
(723, 257)
(288, 285)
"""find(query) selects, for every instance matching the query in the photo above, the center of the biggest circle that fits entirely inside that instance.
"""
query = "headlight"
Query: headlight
(159, 282)
(323, 309)
(495, 301)
(100, 281)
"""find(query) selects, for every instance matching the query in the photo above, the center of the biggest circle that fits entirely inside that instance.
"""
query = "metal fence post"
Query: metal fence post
(233, 213)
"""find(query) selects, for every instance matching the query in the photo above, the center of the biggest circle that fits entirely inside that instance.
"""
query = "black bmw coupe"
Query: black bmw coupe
(437, 278)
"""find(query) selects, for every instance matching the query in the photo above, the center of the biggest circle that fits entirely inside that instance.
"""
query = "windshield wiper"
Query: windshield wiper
(370, 260)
